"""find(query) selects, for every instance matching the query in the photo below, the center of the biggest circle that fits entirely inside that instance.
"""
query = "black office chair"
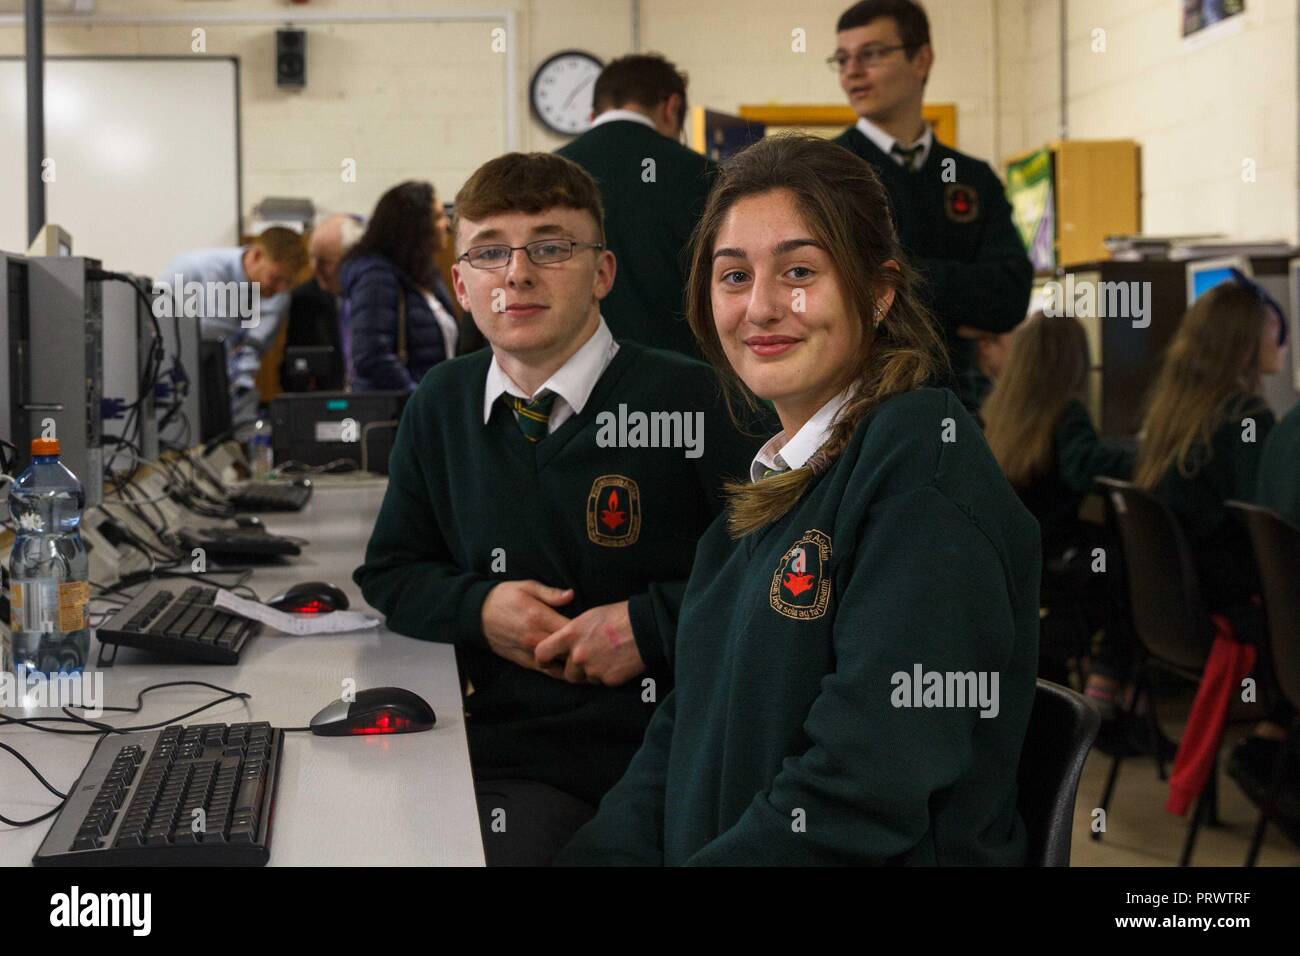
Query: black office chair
(1276, 544)
(1169, 617)
(1061, 730)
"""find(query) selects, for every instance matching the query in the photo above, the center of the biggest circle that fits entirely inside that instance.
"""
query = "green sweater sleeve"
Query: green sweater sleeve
(408, 572)
(927, 588)
(628, 828)
(727, 452)
(992, 291)
(1082, 456)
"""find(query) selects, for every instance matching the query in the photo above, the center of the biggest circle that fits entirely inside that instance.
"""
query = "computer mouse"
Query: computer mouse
(302, 482)
(379, 710)
(310, 597)
(248, 521)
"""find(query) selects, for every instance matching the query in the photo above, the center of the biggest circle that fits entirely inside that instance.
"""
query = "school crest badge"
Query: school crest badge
(614, 512)
(801, 587)
(961, 203)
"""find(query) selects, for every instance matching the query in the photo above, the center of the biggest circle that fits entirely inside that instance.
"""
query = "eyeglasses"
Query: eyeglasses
(541, 252)
(867, 56)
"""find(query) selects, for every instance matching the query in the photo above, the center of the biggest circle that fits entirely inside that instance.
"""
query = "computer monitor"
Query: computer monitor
(1293, 285)
(214, 391)
(1204, 274)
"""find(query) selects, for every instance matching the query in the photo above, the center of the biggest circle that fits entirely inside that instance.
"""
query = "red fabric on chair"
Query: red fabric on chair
(1228, 663)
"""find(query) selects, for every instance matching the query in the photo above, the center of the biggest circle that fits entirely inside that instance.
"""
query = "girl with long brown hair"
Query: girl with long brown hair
(1202, 437)
(857, 645)
(1038, 427)
(1204, 428)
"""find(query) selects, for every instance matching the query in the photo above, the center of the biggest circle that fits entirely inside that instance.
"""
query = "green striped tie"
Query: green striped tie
(532, 417)
(769, 472)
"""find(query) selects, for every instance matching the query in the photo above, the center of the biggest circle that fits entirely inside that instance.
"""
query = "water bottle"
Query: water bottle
(49, 589)
(261, 458)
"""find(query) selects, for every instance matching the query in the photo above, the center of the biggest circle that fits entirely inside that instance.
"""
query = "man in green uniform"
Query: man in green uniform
(653, 189)
(950, 209)
(550, 488)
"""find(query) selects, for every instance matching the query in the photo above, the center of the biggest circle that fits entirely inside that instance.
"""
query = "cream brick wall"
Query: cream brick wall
(1199, 109)
(425, 100)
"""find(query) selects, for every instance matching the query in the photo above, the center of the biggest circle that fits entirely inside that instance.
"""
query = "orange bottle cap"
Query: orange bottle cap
(45, 446)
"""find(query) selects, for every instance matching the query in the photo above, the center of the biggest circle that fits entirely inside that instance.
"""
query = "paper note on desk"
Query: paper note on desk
(335, 622)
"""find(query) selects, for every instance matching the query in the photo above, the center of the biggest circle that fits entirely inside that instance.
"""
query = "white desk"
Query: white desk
(406, 799)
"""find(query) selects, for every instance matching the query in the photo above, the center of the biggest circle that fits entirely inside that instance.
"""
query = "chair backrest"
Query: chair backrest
(1061, 730)
(1276, 543)
(1169, 613)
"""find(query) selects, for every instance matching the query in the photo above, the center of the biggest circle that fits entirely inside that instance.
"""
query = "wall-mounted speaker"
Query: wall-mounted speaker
(291, 59)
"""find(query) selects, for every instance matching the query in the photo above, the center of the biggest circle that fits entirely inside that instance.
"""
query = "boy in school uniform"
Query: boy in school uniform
(652, 189)
(545, 497)
(949, 208)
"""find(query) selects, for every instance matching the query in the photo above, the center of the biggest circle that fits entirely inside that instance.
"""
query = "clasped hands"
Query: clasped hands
(521, 624)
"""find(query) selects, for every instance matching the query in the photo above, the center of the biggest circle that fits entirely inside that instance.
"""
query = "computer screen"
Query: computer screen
(214, 391)
(1205, 274)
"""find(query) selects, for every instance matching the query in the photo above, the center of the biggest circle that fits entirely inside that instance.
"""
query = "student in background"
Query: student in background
(1202, 435)
(1039, 430)
(865, 550)
(950, 209)
(1279, 468)
(403, 321)
(650, 208)
(273, 260)
(516, 516)
(315, 315)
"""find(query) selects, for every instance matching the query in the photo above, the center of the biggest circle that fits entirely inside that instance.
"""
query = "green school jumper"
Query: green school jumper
(796, 733)
(1219, 541)
(1279, 468)
(957, 232)
(648, 223)
(470, 505)
(1079, 456)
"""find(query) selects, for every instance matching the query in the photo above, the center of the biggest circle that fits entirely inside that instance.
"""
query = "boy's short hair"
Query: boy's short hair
(284, 247)
(528, 183)
(909, 16)
(646, 79)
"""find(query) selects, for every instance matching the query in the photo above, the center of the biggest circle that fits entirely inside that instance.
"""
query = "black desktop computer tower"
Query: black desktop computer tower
(317, 428)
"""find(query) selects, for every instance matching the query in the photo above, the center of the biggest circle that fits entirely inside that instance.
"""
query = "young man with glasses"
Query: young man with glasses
(950, 209)
(532, 523)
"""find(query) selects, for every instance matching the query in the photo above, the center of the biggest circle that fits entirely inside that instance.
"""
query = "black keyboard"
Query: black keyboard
(271, 496)
(171, 618)
(181, 796)
(255, 542)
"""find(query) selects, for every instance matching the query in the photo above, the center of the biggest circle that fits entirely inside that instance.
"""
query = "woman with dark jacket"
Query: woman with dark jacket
(401, 317)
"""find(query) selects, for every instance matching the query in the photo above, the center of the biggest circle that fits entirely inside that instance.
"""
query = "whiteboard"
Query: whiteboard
(145, 156)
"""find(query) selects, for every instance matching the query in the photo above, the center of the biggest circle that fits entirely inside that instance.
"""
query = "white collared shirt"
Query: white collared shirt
(610, 116)
(572, 382)
(781, 454)
(885, 143)
(446, 324)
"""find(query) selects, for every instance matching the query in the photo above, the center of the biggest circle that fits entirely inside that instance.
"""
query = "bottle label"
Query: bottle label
(49, 606)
